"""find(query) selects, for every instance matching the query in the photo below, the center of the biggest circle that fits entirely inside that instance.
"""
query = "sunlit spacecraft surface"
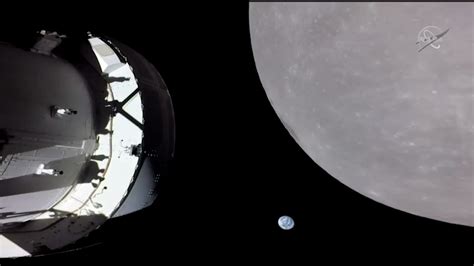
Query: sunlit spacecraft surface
(86, 130)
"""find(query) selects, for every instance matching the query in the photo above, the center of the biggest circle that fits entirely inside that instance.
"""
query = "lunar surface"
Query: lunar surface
(380, 95)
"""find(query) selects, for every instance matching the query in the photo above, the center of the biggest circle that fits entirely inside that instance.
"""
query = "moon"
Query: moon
(392, 123)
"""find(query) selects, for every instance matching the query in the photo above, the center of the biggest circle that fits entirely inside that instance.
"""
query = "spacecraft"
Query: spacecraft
(86, 130)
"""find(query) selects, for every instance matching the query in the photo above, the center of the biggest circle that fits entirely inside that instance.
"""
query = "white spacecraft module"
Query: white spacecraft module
(86, 130)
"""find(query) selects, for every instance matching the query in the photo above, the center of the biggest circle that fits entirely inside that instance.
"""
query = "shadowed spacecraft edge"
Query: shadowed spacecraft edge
(86, 133)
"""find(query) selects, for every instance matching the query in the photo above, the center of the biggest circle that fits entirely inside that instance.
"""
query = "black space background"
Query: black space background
(236, 168)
